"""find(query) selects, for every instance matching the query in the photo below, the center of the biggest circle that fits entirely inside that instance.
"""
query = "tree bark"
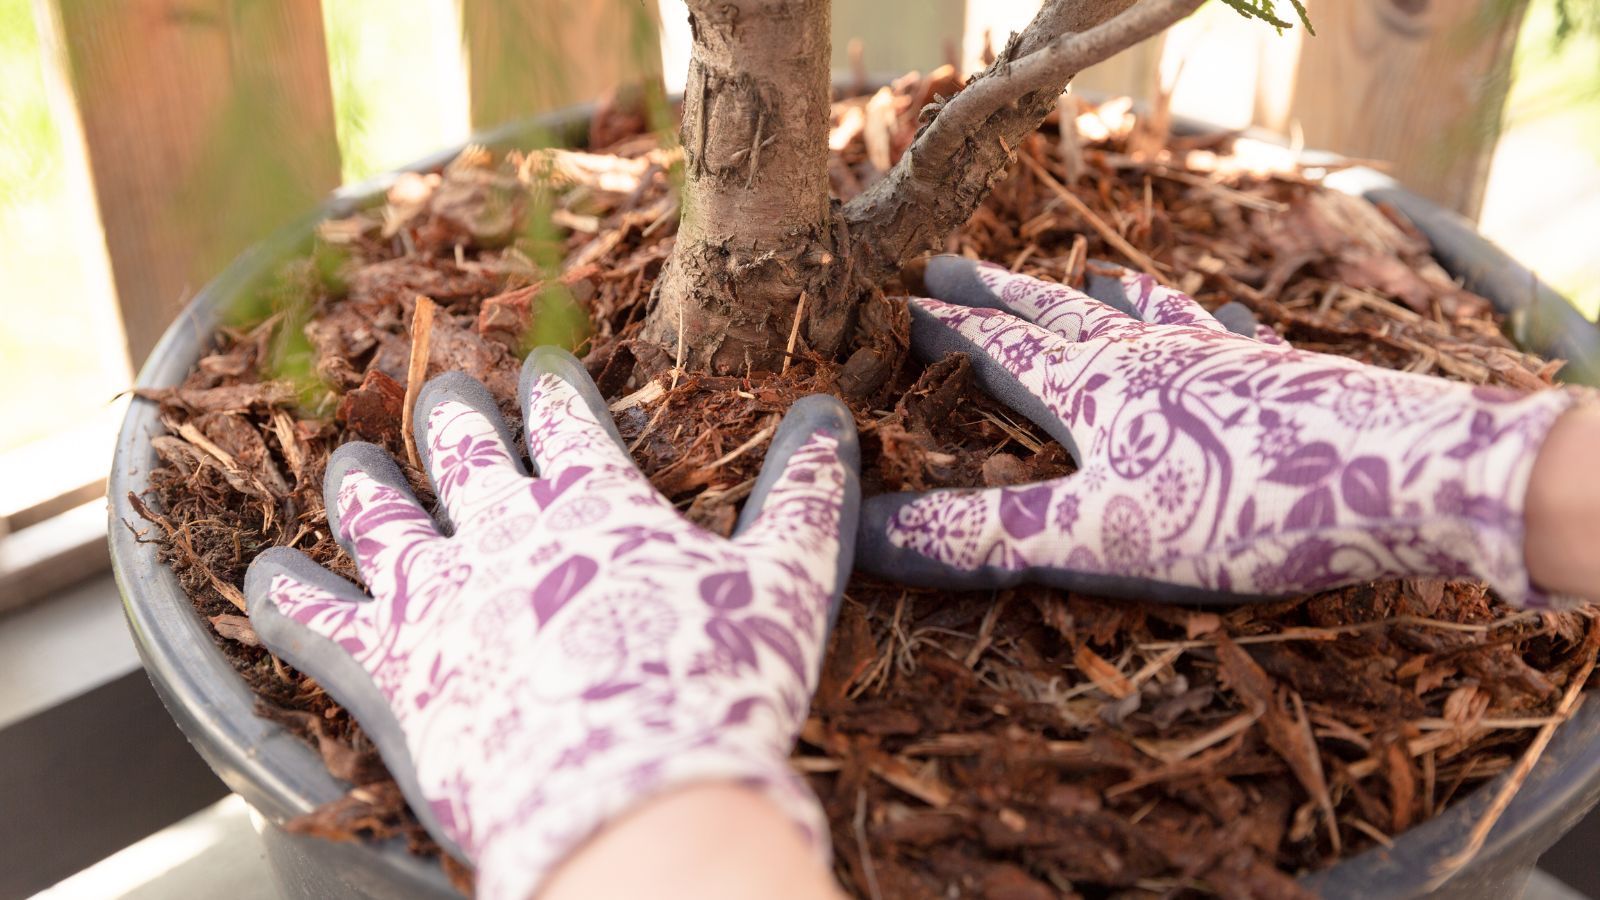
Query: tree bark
(761, 245)
(757, 230)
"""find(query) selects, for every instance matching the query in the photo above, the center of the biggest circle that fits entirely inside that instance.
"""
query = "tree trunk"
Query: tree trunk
(758, 228)
(761, 244)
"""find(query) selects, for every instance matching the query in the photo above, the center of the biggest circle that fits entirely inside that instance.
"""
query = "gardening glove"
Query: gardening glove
(552, 651)
(1212, 466)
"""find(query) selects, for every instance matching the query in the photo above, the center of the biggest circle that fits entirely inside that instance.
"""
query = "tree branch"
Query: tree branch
(1049, 68)
(1056, 18)
(950, 166)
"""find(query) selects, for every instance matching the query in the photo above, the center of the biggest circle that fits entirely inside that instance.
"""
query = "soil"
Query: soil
(1025, 743)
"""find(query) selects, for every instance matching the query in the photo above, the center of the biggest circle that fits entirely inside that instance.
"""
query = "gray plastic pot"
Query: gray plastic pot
(282, 777)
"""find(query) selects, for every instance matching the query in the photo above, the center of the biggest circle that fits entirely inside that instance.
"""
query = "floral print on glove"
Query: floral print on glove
(552, 651)
(1213, 467)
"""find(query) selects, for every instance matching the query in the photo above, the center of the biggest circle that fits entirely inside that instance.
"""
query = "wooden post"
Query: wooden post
(1277, 61)
(1134, 72)
(898, 35)
(1418, 84)
(528, 56)
(205, 123)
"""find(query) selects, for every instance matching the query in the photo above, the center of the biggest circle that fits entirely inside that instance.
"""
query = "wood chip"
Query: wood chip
(416, 374)
(1102, 673)
(1290, 737)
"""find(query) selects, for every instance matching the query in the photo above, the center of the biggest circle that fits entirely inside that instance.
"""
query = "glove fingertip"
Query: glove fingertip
(368, 457)
(825, 413)
(871, 539)
(1111, 289)
(549, 359)
(806, 417)
(375, 463)
(262, 577)
(461, 388)
(954, 279)
(277, 573)
(1237, 318)
(899, 545)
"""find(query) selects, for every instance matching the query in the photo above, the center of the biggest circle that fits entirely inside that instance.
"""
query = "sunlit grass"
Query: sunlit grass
(399, 94)
(1556, 82)
(51, 376)
(399, 90)
(1543, 202)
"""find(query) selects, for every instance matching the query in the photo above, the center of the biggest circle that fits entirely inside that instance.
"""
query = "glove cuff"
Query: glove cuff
(1490, 498)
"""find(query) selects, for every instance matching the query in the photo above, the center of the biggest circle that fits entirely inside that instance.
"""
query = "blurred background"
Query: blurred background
(128, 178)
(144, 143)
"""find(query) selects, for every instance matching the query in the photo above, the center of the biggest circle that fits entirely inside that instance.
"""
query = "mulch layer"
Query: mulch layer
(1015, 744)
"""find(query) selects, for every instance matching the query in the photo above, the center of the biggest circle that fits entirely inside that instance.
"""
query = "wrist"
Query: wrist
(564, 812)
(706, 840)
(1496, 452)
(1459, 469)
(1563, 508)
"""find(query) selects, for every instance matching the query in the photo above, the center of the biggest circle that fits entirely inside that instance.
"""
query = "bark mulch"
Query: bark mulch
(1026, 743)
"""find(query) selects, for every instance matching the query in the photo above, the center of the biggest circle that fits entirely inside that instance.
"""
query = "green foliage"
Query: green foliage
(328, 265)
(293, 360)
(307, 272)
(1267, 11)
(1554, 81)
(29, 154)
(352, 99)
(1574, 17)
(397, 84)
(49, 335)
(554, 316)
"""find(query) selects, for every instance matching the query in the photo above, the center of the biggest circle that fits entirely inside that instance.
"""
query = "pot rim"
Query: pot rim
(283, 777)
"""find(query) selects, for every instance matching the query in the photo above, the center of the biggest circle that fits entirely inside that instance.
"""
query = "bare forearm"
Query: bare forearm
(1563, 508)
(711, 841)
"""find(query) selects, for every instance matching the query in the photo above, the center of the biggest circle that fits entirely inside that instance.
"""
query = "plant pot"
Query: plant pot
(282, 777)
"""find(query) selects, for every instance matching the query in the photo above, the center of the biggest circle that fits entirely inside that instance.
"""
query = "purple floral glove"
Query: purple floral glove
(567, 646)
(1211, 466)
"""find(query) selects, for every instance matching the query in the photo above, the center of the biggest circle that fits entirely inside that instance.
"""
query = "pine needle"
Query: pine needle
(1267, 11)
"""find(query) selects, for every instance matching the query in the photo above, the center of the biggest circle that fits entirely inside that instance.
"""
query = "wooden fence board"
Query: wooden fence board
(898, 35)
(1135, 72)
(528, 56)
(1132, 72)
(1420, 85)
(205, 123)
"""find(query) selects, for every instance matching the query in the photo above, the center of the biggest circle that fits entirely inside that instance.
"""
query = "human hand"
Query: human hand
(1212, 467)
(557, 650)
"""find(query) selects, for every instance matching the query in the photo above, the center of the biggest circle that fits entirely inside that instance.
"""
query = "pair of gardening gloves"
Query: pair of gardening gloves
(546, 653)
